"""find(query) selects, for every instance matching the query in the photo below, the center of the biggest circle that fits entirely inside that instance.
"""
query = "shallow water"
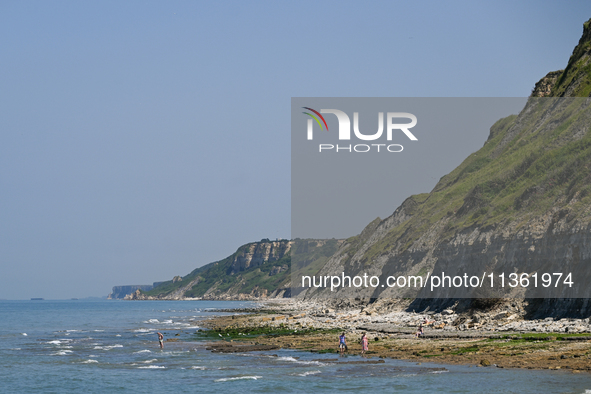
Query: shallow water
(111, 346)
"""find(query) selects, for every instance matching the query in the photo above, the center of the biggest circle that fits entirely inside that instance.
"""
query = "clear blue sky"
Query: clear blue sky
(140, 140)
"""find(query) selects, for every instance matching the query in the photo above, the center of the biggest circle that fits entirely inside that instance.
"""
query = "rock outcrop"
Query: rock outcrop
(120, 292)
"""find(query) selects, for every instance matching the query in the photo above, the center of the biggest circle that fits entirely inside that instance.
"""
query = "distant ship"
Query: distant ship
(37, 299)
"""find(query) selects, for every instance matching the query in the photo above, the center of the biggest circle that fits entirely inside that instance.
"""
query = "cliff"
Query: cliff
(575, 79)
(120, 292)
(522, 203)
(256, 270)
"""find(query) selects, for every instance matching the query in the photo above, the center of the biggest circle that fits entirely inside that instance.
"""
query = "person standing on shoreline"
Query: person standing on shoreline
(161, 340)
(364, 343)
(420, 331)
(342, 343)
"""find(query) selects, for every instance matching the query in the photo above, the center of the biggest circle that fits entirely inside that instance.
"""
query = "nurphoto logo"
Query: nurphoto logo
(344, 132)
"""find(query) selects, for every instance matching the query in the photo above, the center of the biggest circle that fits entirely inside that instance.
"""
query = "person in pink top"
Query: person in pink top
(364, 344)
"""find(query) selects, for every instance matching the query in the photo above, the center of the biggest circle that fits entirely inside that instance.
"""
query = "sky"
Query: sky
(142, 139)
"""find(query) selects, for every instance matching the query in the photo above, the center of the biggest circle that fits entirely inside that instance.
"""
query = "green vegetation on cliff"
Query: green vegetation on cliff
(531, 163)
(257, 269)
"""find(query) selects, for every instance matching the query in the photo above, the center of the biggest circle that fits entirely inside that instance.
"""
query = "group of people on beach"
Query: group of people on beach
(343, 343)
(365, 342)
(342, 338)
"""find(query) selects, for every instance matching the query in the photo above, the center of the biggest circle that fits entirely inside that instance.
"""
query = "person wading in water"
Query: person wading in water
(342, 343)
(364, 344)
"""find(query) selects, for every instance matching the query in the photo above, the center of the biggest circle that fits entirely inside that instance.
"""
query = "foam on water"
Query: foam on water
(198, 367)
(238, 378)
(174, 352)
(143, 351)
(152, 367)
(302, 361)
(62, 353)
(288, 358)
(89, 361)
(108, 347)
(309, 373)
(60, 342)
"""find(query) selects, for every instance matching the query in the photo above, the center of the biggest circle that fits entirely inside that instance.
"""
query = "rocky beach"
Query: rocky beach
(500, 338)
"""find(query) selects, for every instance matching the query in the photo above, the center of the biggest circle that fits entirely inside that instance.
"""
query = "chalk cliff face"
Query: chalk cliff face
(120, 292)
(522, 203)
(257, 254)
(256, 270)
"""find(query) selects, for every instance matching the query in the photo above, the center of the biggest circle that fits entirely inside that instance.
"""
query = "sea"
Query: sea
(110, 346)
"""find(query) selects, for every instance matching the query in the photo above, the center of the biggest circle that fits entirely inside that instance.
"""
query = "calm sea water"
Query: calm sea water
(111, 346)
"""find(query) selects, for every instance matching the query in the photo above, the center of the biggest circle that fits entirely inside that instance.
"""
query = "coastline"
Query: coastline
(507, 341)
(94, 344)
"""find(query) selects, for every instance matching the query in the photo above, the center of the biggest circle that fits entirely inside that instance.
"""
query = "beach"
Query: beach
(112, 346)
(505, 341)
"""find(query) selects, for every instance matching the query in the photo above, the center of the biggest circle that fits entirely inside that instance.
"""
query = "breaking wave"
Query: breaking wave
(238, 378)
